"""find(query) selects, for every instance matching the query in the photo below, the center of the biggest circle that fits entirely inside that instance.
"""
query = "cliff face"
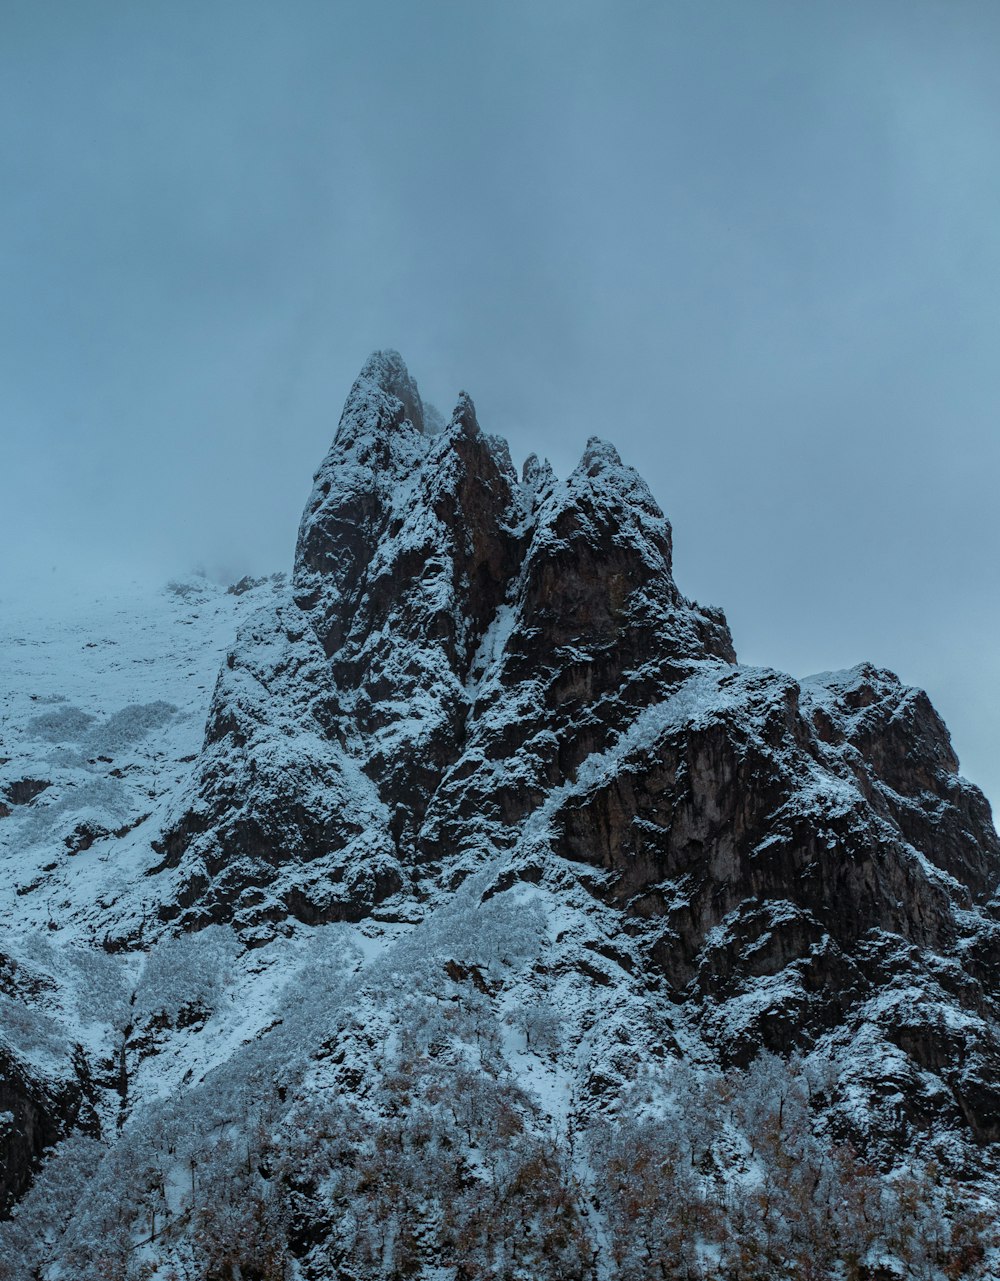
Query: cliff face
(480, 678)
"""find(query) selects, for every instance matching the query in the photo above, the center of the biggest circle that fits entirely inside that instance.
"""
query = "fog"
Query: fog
(755, 245)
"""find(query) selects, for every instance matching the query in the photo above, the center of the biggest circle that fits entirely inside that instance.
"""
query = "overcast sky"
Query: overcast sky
(757, 245)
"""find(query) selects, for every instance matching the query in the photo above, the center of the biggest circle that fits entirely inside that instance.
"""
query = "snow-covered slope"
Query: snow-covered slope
(483, 917)
(103, 706)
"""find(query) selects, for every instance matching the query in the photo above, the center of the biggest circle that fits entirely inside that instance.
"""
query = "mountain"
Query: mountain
(501, 925)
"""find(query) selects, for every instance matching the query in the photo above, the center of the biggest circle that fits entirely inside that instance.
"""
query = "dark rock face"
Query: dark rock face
(41, 1101)
(36, 1113)
(277, 791)
(472, 667)
(24, 790)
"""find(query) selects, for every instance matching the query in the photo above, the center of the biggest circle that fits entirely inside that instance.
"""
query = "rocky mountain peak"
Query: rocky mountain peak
(383, 396)
(482, 736)
(464, 416)
(433, 594)
(598, 455)
(537, 475)
(512, 667)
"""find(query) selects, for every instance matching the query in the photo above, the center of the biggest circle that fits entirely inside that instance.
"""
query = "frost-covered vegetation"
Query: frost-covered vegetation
(411, 1110)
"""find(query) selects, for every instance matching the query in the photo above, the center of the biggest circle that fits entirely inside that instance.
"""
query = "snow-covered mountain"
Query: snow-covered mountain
(489, 919)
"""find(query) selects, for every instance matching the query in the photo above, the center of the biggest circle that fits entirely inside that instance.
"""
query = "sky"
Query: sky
(757, 246)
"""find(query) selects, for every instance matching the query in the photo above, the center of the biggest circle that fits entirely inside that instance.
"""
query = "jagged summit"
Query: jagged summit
(464, 416)
(599, 454)
(383, 396)
(536, 473)
(443, 593)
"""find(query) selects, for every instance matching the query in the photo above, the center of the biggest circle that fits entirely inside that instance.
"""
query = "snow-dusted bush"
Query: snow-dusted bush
(31, 1034)
(128, 725)
(183, 977)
